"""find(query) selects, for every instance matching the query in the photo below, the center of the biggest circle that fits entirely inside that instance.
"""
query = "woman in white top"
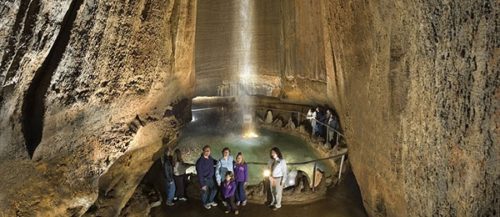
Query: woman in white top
(180, 177)
(279, 173)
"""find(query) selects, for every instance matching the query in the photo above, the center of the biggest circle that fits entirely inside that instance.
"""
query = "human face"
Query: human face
(239, 159)
(228, 178)
(225, 153)
(206, 152)
(273, 154)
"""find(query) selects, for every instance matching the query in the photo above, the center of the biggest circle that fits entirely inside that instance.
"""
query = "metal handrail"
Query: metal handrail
(304, 162)
(302, 114)
(342, 156)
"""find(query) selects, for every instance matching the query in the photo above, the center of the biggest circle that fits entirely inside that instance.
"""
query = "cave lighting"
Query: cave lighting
(266, 173)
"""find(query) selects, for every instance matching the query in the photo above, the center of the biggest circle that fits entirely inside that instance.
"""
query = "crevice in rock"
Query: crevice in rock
(28, 11)
(34, 102)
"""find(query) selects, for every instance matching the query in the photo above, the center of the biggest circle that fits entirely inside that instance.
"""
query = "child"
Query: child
(241, 176)
(228, 189)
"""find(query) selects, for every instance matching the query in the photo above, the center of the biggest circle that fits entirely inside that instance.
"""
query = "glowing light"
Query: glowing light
(266, 173)
(250, 134)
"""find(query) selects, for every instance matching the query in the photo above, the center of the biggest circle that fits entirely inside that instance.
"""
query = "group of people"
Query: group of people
(228, 176)
(318, 121)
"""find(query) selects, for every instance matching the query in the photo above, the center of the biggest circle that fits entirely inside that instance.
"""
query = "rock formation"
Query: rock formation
(90, 91)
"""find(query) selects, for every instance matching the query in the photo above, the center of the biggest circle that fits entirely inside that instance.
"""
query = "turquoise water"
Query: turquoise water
(293, 148)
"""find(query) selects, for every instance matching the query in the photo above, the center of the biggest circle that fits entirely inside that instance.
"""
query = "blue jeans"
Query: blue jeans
(240, 192)
(170, 188)
(208, 195)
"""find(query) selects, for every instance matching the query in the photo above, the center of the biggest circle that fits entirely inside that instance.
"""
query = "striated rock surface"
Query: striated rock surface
(90, 92)
(416, 85)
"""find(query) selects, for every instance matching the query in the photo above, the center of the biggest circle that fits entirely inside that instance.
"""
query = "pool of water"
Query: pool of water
(209, 129)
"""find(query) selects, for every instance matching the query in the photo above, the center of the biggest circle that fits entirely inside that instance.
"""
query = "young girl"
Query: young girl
(228, 189)
(241, 177)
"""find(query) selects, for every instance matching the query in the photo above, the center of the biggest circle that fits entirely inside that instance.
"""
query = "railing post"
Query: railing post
(298, 118)
(314, 177)
(341, 164)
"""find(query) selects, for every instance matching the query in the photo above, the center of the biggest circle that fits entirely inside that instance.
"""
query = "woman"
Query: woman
(279, 171)
(224, 165)
(180, 177)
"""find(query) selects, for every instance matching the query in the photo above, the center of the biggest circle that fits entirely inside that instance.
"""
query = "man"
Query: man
(205, 171)
(168, 171)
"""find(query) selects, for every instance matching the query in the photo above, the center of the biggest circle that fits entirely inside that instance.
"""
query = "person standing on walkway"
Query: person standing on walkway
(205, 170)
(279, 171)
(228, 189)
(168, 171)
(224, 165)
(241, 178)
(180, 177)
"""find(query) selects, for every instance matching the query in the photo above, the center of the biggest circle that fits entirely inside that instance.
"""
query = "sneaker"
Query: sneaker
(207, 206)
(227, 211)
(275, 208)
(175, 198)
(183, 199)
(170, 203)
(236, 212)
(213, 204)
(238, 203)
(244, 203)
(224, 203)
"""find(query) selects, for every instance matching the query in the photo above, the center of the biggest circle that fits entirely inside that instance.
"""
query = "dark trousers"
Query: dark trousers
(240, 193)
(231, 206)
(180, 185)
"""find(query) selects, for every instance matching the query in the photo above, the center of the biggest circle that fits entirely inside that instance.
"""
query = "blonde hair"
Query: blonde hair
(242, 158)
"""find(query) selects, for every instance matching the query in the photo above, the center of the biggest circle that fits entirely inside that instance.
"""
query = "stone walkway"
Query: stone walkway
(342, 201)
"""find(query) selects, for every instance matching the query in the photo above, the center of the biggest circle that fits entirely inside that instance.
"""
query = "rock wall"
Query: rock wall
(416, 85)
(90, 92)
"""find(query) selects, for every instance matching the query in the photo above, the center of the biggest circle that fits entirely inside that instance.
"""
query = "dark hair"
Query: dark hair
(278, 152)
(224, 149)
(178, 156)
(229, 173)
(205, 147)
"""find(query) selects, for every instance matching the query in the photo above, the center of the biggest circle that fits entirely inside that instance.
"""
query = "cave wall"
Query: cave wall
(90, 93)
(229, 30)
(416, 86)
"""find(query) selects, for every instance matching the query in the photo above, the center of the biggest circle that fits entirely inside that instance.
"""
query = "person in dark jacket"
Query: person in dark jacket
(206, 171)
(168, 171)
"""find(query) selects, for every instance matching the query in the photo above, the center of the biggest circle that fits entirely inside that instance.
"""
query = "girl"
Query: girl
(241, 177)
(180, 177)
(228, 190)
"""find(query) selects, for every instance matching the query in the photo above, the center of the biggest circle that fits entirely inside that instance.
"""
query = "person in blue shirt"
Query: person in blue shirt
(205, 170)
(224, 165)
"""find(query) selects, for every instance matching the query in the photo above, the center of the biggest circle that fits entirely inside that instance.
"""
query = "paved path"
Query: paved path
(343, 201)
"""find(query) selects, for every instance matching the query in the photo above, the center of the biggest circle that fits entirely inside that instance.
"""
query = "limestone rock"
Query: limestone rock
(269, 117)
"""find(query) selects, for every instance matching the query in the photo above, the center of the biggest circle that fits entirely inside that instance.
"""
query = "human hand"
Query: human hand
(204, 188)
